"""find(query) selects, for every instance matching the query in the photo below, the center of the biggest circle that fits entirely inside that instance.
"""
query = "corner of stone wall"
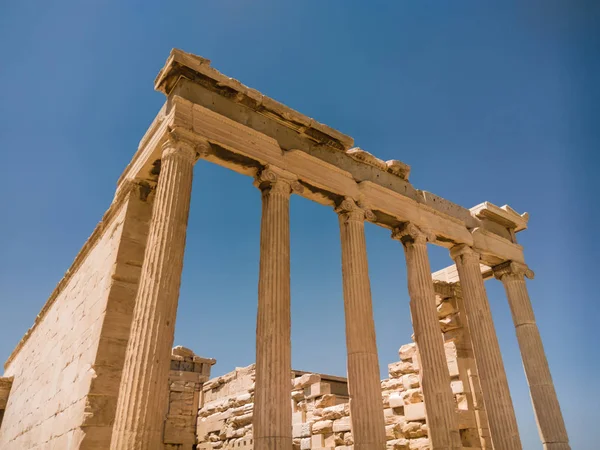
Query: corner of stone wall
(101, 401)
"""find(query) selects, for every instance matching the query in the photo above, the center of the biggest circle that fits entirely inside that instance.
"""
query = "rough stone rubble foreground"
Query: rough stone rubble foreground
(93, 371)
(320, 403)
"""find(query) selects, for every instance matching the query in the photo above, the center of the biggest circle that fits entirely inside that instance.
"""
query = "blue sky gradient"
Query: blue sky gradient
(492, 101)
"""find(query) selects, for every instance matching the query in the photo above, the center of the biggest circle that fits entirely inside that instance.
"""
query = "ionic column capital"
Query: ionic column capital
(409, 233)
(351, 211)
(274, 180)
(463, 251)
(176, 146)
(512, 268)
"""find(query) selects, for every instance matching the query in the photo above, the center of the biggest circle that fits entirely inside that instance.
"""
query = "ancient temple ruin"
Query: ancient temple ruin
(320, 403)
(97, 370)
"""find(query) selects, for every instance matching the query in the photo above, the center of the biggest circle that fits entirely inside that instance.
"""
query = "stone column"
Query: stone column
(143, 395)
(366, 405)
(492, 376)
(435, 379)
(545, 402)
(272, 420)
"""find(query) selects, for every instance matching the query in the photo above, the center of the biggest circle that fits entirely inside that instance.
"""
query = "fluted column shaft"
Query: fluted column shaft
(435, 378)
(143, 395)
(366, 406)
(551, 425)
(272, 420)
(492, 376)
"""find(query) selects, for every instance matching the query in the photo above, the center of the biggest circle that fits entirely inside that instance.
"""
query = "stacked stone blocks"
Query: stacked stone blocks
(187, 375)
(320, 407)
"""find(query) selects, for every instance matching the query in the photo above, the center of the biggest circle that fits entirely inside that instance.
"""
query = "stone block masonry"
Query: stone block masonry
(321, 415)
(66, 369)
(188, 374)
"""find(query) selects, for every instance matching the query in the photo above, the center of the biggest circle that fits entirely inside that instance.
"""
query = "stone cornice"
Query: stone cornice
(192, 77)
(195, 68)
(505, 215)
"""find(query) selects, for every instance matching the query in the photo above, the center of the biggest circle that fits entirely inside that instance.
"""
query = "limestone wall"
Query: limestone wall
(66, 370)
(321, 414)
(53, 370)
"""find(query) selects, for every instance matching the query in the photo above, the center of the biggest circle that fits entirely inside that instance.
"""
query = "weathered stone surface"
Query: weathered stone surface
(410, 381)
(335, 412)
(412, 396)
(302, 430)
(398, 444)
(77, 344)
(306, 380)
(407, 351)
(273, 420)
(414, 411)
(400, 368)
(343, 424)
(363, 363)
(155, 311)
(323, 426)
(419, 444)
(396, 401)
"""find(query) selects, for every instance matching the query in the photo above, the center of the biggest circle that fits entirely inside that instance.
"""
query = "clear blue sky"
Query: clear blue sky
(485, 101)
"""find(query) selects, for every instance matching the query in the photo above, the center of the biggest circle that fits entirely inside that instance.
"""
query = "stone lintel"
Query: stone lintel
(193, 78)
(187, 366)
(324, 377)
(393, 200)
(450, 274)
(495, 249)
(197, 69)
(328, 173)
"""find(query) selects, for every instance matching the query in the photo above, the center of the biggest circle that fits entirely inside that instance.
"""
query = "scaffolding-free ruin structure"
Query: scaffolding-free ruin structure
(93, 371)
